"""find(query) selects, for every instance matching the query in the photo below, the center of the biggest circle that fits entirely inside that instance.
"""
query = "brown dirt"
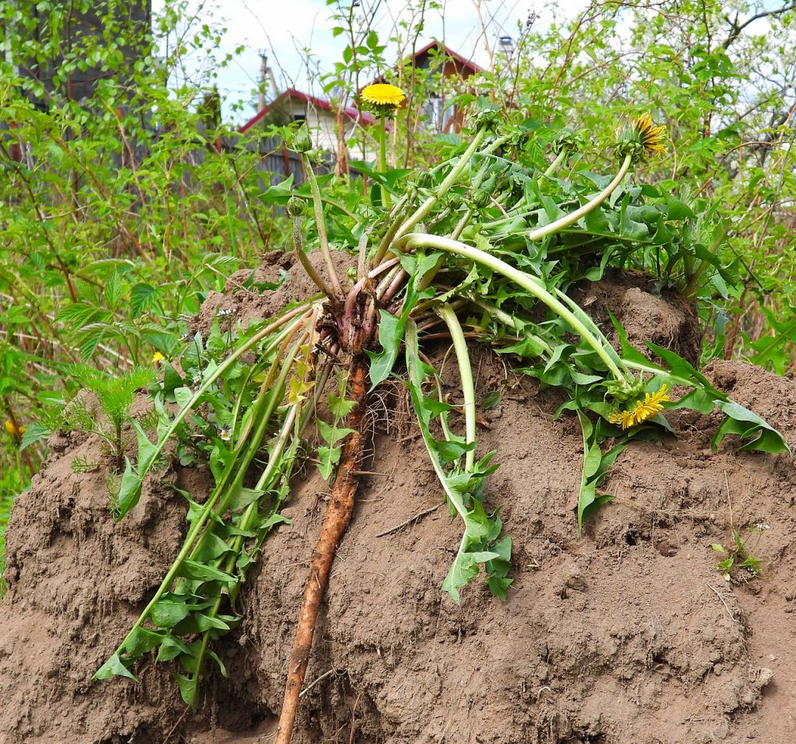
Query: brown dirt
(628, 634)
(665, 319)
(247, 306)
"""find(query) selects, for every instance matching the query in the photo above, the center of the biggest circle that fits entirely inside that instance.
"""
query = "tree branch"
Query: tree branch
(735, 32)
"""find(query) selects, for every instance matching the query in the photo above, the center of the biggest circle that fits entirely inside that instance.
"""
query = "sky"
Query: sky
(285, 29)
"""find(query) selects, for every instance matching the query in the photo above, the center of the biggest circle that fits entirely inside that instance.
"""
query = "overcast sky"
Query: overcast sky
(283, 29)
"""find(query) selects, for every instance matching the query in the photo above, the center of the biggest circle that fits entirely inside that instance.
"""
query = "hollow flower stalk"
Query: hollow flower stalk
(635, 143)
(384, 99)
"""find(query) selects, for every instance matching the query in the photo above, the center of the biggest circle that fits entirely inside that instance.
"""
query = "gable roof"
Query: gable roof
(462, 64)
(446, 51)
(350, 111)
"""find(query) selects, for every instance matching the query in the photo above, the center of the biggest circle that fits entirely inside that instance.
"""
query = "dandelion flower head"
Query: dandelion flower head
(651, 135)
(643, 410)
(642, 140)
(383, 96)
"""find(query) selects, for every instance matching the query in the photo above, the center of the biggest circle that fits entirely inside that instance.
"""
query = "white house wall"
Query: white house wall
(323, 127)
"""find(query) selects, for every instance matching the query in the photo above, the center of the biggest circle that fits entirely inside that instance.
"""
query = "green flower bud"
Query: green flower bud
(628, 143)
(480, 198)
(454, 200)
(631, 387)
(486, 119)
(424, 180)
(566, 139)
(296, 206)
(523, 139)
(302, 142)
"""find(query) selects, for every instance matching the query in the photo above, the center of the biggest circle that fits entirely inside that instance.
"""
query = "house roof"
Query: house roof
(350, 111)
(417, 57)
(442, 49)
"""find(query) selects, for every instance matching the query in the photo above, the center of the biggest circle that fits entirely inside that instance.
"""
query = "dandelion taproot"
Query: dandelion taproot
(643, 410)
(383, 96)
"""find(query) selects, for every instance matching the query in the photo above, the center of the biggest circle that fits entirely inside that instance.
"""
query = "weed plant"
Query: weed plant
(120, 214)
(483, 248)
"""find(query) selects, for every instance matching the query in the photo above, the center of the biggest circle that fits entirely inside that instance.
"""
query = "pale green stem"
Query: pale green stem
(320, 222)
(397, 229)
(245, 524)
(466, 373)
(489, 149)
(388, 236)
(657, 371)
(494, 311)
(385, 195)
(262, 483)
(572, 218)
(276, 393)
(223, 367)
(443, 418)
(457, 231)
(582, 316)
(298, 248)
(505, 318)
(452, 177)
(453, 496)
(526, 281)
(196, 527)
(556, 164)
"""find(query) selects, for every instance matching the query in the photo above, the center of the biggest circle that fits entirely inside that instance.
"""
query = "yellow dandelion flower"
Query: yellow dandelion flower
(157, 358)
(623, 418)
(14, 430)
(643, 410)
(651, 135)
(383, 96)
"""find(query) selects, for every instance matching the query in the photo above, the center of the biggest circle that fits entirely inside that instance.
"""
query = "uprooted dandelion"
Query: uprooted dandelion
(482, 248)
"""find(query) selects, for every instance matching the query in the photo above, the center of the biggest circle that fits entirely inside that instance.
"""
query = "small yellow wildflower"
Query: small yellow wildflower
(643, 410)
(157, 358)
(14, 430)
(651, 136)
(383, 96)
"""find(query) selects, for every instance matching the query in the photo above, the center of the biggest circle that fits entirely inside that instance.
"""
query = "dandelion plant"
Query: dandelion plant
(484, 248)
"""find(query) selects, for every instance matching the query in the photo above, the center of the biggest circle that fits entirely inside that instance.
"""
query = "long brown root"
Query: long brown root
(338, 514)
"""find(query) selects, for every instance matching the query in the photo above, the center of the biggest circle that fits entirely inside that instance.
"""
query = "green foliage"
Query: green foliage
(118, 215)
(463, 487)
(227, 421)
(114, 394)
(739, 563)
(339, 407)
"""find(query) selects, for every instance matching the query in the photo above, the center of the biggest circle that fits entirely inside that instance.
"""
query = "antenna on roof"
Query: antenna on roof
(261, 81)
(266, 75)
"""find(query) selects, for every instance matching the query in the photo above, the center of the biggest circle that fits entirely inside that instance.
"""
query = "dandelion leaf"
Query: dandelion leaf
(114, 667)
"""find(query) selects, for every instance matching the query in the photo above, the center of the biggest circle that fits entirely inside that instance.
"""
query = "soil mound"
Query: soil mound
(628, 633)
